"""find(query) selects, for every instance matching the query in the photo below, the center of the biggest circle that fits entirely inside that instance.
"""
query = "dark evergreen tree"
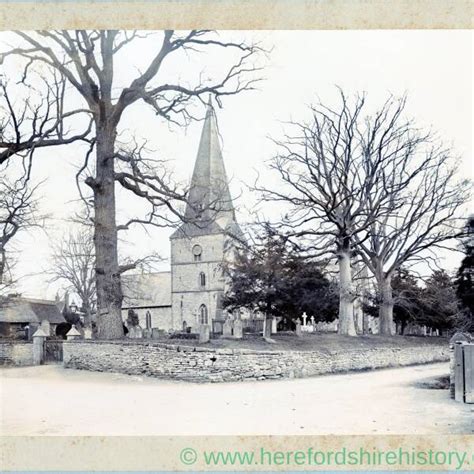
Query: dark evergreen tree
(273, 279)
(407, 299)
(305, 288)
(465, 279)
(439, 302)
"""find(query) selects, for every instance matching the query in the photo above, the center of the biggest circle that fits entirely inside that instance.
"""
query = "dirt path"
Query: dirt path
(50, 400)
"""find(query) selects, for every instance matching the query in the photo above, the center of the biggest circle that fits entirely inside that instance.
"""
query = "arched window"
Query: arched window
(202, 279)
(203, 314)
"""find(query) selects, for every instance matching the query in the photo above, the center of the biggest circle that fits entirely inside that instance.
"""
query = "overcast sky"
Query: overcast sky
(435, 68)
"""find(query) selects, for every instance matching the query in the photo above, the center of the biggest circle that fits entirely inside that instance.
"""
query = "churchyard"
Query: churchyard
(324, 342)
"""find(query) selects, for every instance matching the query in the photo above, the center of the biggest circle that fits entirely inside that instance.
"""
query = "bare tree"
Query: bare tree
(40, 120)
(87, 59)
(328, 180)
(18, 209)
(23, 129)
(73, 262)
(425, 200)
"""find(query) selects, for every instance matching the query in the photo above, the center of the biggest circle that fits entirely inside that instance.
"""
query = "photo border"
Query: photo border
(119, 453)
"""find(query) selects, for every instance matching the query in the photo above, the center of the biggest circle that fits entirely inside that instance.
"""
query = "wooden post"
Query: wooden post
(459, 372)
(469, 373)
(452, 370)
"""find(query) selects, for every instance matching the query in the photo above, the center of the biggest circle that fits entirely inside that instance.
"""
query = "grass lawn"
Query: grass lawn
(325, 342)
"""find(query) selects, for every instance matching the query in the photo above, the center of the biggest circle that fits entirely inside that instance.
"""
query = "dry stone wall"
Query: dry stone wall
(198, 364)
(16, 353)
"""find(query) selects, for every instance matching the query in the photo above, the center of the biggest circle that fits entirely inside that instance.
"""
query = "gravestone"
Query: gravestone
(87, 333)
(227, 328)
(204, 333)
(46, 327)
(298, 328)
(157, 333)
(135, 332)
(312, 322)
(148, 320)
(305, 317)
(238, 329)
(147, 333)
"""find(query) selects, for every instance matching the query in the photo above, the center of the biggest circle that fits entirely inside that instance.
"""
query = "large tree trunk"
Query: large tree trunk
(386, 306)
(403, 326)
(358, 316)
(365, 326)
(87, 316)
(267, 329)
(3, 265)
(346, 299)
(109, 290)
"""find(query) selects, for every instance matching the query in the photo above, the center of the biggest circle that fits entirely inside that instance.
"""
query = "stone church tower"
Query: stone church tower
(200, 246)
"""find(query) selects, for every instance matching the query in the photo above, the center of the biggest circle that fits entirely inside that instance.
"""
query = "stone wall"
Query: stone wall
(16, 353)
(199, 364)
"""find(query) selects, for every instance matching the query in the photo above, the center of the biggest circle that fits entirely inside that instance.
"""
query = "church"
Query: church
(191, 293)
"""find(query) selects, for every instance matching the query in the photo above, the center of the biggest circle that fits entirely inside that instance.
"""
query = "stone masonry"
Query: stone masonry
(196, 364)
(16, 353)
(188, 294)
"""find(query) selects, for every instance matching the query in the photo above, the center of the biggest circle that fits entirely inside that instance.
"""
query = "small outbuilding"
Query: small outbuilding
(21, 317)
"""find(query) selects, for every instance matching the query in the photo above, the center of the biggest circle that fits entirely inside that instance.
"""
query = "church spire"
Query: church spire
(209, 195)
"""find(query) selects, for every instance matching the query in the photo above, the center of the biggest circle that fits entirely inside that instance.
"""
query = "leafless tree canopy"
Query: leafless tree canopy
(18, 211)
(23, 128)
(366, 185)
(425, 201)
(38, 118)
(326, 180)
(88, 60)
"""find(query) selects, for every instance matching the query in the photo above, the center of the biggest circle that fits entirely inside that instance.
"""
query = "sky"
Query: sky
(435, 69)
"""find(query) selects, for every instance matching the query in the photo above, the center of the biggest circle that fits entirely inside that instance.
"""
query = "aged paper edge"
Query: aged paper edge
(237, 14)
(162, 453)
(120, 453)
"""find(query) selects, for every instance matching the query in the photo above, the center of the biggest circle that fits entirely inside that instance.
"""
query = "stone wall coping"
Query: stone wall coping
(231, 351)
(174, 347)
(11, 341)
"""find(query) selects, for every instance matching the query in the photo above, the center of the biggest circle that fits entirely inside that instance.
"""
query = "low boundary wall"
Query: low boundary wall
(199, 364)
(16, 353)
